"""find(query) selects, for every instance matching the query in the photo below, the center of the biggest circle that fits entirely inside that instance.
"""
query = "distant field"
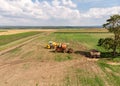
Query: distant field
(5, 39)
(15, 31)
(83, 30)
(3, 31)
(8, 32)
(33, 65)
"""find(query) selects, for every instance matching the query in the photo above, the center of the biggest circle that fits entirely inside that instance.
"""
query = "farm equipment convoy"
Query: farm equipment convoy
(59, 47)
(63, 47)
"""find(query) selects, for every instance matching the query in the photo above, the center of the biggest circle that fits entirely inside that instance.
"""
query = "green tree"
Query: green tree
(107, 43)
(113, 26)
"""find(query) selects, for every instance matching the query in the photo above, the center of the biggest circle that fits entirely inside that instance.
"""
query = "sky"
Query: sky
(57, 12)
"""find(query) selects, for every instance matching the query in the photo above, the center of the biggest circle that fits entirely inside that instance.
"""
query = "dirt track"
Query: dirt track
(33, 65)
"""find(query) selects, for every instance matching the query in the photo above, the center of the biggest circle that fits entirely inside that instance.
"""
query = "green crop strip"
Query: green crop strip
(5, 39)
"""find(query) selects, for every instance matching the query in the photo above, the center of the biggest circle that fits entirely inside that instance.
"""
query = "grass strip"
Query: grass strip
(5, 39)
(17, 42)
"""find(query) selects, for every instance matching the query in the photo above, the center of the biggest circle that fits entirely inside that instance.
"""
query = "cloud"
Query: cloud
(54, 12)
(41, 10)
(69, 3)
(101, 12)
(86, 1)
(59, 10)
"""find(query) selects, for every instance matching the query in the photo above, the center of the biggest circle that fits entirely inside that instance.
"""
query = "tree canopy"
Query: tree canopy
(113, 26)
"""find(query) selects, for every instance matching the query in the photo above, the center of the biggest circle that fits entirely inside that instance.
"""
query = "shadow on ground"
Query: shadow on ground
(105, 55)
(108, 55)
(84, 53)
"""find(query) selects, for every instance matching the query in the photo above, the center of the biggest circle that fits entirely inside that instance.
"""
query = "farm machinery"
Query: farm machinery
(94, 53)
(64, 48)
(59, 47)
(52, 45)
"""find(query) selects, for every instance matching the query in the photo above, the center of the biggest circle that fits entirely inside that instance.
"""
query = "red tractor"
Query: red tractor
(63, 48)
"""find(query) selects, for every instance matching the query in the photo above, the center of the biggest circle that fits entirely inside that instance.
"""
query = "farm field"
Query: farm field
(15, 31)
(26, 62)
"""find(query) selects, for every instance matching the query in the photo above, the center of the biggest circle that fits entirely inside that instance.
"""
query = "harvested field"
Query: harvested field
(87, 30)
(16, 31)
(32, 65)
